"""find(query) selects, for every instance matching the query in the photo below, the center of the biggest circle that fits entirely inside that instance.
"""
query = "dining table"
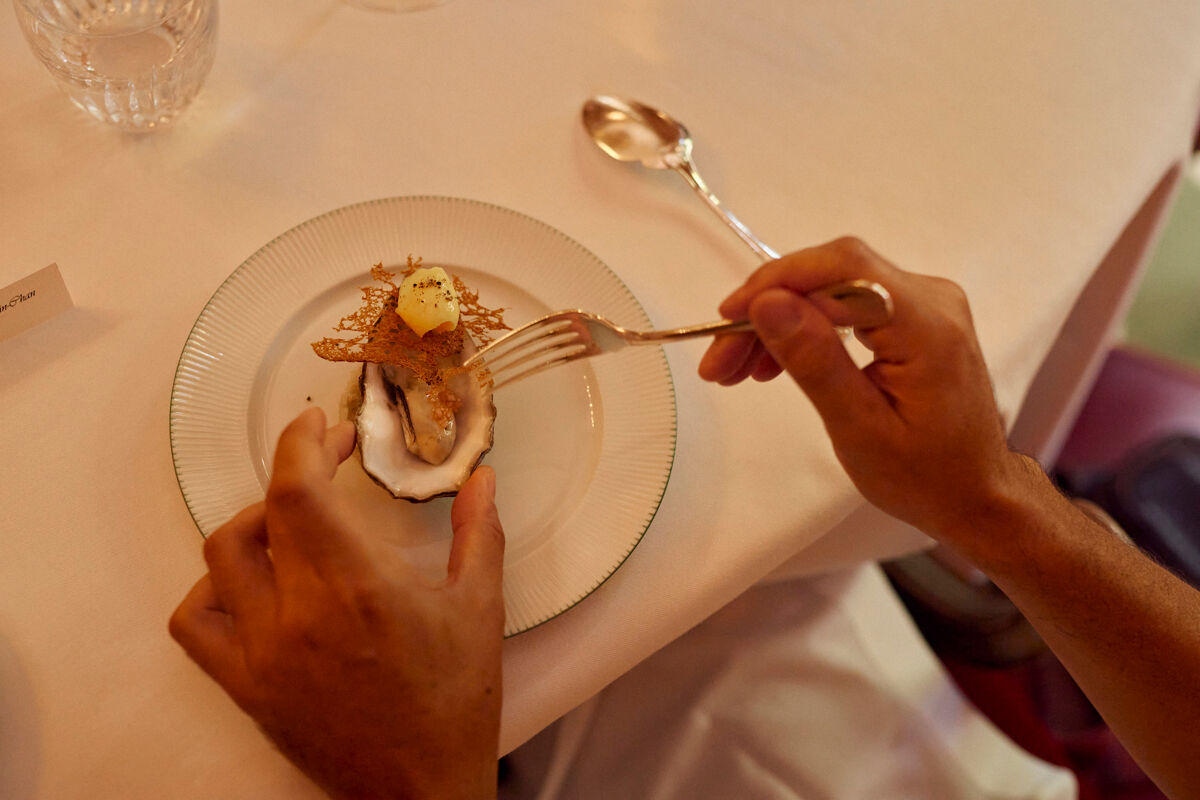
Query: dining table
(1025, 150)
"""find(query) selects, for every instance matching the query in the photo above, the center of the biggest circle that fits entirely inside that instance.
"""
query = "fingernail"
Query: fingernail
(777, 314)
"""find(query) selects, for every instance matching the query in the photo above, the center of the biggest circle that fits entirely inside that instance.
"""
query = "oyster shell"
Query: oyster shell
(404, 449)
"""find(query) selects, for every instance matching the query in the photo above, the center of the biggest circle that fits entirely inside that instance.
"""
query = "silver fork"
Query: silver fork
(566, 336)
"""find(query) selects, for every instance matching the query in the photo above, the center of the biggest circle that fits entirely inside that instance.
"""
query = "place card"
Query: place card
(33, 300)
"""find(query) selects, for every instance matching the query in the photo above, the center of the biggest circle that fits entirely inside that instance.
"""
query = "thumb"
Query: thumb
(804, 342)
(477, 552)
(341, 437)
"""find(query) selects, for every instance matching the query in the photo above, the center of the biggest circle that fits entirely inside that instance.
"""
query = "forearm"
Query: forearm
(1127, 629)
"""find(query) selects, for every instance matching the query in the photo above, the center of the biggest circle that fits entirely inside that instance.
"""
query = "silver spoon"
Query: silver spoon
(631, 131)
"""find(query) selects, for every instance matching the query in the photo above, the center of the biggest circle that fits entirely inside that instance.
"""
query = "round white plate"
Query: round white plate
(582, 453)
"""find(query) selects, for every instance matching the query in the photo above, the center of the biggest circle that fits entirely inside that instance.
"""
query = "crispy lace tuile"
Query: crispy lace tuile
(379, 335)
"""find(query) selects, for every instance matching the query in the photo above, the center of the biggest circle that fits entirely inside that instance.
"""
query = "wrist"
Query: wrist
(993, 529)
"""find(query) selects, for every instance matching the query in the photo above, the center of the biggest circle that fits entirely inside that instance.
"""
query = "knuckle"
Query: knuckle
(292, 651)
(213, 546)
(955, 305)
(952, 291)
(179, 625)
(853, 249)
(295, 631)
(368, 600)
(942, 303)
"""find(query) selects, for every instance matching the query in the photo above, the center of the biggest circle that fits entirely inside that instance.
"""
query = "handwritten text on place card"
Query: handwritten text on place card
(32, 300)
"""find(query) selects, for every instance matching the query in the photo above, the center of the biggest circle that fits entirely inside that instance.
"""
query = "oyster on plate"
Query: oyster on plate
(409, 444)
(424, 422)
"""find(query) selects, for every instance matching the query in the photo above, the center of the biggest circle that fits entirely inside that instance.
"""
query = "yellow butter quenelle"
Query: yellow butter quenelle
(427, 301)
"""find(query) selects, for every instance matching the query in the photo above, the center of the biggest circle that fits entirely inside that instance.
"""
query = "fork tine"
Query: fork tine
(508, 377)
(535, 348)
(543, 343)
(529, 332)
(528, 340)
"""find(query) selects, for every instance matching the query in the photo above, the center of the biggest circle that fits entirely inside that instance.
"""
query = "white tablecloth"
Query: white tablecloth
(799, 690)
(1004, 145)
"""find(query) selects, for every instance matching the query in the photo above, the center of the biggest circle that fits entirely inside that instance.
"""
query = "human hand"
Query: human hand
(374, 680)
(917, 430)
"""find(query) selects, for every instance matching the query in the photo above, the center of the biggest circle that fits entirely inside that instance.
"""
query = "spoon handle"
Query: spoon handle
(853, 304)
(688, 170)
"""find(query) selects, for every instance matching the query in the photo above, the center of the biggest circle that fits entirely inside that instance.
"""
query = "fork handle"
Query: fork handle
(862, 304)
(693, 331)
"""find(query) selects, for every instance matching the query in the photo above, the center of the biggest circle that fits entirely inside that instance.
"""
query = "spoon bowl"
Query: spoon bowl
(631, 131)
